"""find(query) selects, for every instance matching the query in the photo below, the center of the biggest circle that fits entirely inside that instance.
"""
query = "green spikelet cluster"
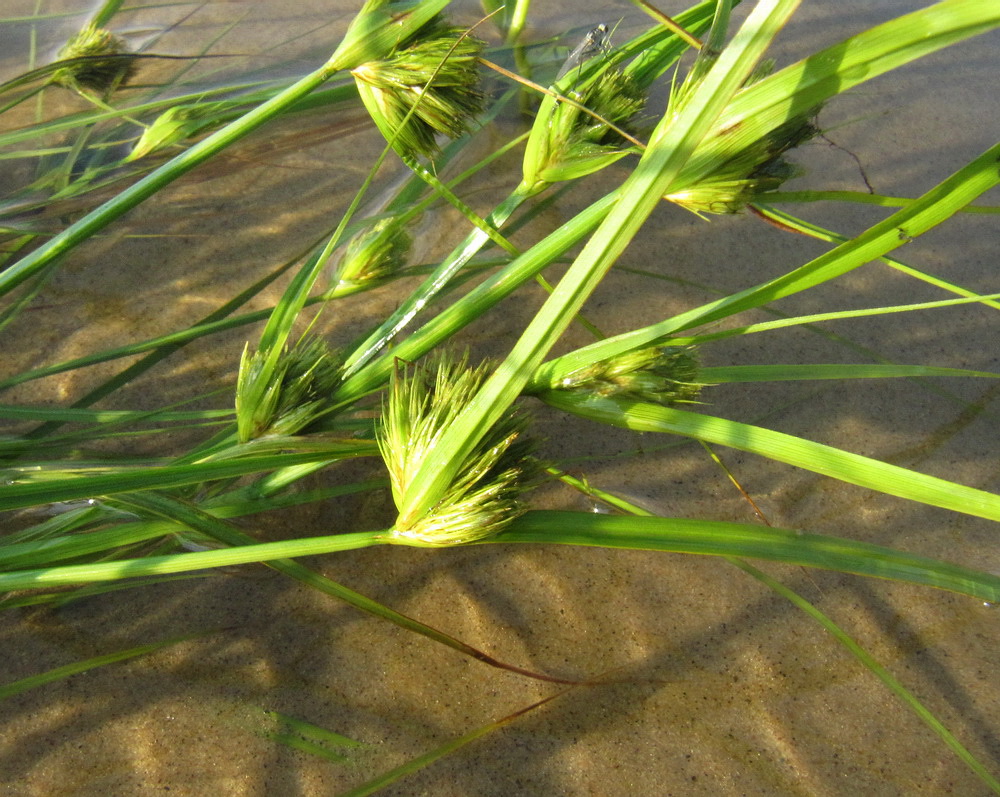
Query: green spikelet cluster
(176, 125)
(423, 402)
(567, 142)
(745, 169)
(435, 74)
(286, 395)
(751, 171)
(663, 375)
(375, 254)
(98, 61)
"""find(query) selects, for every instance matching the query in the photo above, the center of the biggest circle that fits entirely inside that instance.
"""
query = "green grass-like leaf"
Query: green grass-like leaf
(34, 681)
(819, 458)
(716, 538)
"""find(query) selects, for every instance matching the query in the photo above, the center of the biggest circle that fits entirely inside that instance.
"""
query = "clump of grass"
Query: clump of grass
(455, 446)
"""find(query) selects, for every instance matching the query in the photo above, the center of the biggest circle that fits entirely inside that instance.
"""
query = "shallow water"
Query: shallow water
(702, 680)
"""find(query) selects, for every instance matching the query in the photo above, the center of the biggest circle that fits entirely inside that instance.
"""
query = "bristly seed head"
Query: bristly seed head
(752, 171)
(289, 397)
(105, 66)
(435, 74)
(742, 171)
(663, 375)
(423, 402)
(375, 254)
(567, 142)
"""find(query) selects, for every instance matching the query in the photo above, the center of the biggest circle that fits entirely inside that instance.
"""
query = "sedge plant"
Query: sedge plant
(458, 456)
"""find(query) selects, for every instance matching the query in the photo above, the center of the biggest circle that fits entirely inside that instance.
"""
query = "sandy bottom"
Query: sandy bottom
(695, 678)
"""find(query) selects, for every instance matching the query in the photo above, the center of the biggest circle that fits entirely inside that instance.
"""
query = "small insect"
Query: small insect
(597, 40)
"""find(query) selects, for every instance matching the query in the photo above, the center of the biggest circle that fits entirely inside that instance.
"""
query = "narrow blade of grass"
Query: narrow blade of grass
(717, 538)
(34, 681)
(785, 373)
(819, 458)
(113, 481)
(869, 663)
(449, 747)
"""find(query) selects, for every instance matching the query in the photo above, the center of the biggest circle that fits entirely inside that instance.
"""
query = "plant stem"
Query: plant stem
(430, 287)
